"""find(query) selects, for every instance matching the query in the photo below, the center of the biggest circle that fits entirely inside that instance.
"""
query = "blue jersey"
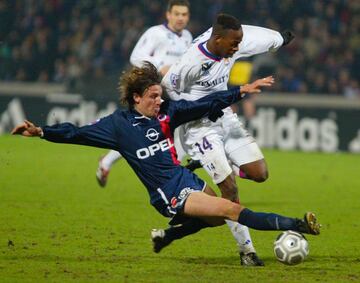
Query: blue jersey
(147, 143)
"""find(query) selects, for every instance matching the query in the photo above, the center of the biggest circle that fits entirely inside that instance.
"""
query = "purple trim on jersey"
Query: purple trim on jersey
(179, 34)
(207, 53)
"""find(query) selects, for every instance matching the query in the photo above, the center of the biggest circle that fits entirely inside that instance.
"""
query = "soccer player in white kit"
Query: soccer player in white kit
(224, 146)
(161, 45)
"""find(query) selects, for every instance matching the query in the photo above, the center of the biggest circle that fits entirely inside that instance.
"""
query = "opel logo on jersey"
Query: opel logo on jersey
(152, 134)
(151, 150)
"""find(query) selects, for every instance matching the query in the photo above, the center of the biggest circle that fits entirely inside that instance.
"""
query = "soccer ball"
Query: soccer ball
(291, 248)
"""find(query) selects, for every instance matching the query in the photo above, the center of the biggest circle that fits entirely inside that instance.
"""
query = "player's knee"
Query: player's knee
(256, 171)
(261, 176)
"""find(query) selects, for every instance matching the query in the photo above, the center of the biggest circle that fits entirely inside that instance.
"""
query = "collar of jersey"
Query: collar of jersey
(139, 116)
(179, 34)
(204, 51)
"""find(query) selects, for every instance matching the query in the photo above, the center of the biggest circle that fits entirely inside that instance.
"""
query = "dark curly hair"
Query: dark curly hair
(225, 22)
(136, 81)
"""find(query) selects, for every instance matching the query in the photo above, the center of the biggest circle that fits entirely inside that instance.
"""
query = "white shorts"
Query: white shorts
(178, 145)
(230, 145)
(213, 158)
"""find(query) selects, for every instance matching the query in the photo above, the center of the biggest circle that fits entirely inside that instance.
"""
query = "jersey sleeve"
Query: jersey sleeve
(100, 134)
(180, 74)
(210, 106)
(203, 37)
(257, 40)
(145, 47)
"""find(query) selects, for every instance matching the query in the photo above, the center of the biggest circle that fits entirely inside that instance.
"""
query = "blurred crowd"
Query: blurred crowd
(68, 41)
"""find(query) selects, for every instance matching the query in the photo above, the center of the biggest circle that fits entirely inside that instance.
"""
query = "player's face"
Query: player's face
(229, 43)
(178, 17)
(149, 104)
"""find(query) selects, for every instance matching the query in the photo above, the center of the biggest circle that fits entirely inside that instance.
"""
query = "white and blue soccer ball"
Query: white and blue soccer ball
(291, 248)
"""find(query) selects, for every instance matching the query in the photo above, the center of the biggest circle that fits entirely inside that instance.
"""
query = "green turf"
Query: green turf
(57, 225)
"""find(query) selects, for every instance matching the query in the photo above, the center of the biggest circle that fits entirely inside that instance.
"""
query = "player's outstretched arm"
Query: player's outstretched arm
(255, 87)
(212, 104)
(100, 134)
(27, 129)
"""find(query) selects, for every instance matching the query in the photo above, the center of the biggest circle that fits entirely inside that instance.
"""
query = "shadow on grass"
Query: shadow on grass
(326, 262)
(335, 261)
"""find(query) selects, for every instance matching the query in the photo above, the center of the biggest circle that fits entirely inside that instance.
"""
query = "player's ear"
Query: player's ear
(217, 38)
(136, 97)
(168, 16)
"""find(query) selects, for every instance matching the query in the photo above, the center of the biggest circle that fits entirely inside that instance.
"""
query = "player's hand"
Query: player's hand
(288, 36)
(255, 86)
(27, 129)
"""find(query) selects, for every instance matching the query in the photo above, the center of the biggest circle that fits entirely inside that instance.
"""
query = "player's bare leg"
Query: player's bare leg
(105, 164)
(201, 205)
(207, 211)
(216, 163)
(256, 171)
(229, 189)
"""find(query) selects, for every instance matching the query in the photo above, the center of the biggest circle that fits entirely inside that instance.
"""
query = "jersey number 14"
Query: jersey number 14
(205, 145)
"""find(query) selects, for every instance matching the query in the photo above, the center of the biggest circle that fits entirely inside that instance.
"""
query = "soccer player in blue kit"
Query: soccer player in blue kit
(143, 135)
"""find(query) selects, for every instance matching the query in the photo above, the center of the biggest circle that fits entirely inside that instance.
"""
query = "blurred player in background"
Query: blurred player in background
(225, 145)
(162, 45)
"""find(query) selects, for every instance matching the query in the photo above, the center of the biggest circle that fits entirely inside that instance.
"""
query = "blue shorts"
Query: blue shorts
(174, 196)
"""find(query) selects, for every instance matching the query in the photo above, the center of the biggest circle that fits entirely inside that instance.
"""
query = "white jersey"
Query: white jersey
(160, 46)
(199, 73)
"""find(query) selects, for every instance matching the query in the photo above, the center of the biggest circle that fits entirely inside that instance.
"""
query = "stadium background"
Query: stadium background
(75, 42)
(60, 61)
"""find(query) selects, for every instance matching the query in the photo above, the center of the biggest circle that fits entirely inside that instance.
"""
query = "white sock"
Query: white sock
(242, 236)
(110, 158)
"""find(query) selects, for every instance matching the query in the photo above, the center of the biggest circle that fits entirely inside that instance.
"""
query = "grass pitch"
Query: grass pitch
(57, 225)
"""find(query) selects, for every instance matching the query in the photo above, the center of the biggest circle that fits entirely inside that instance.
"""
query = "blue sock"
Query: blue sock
(189, 227)
(266, 221)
